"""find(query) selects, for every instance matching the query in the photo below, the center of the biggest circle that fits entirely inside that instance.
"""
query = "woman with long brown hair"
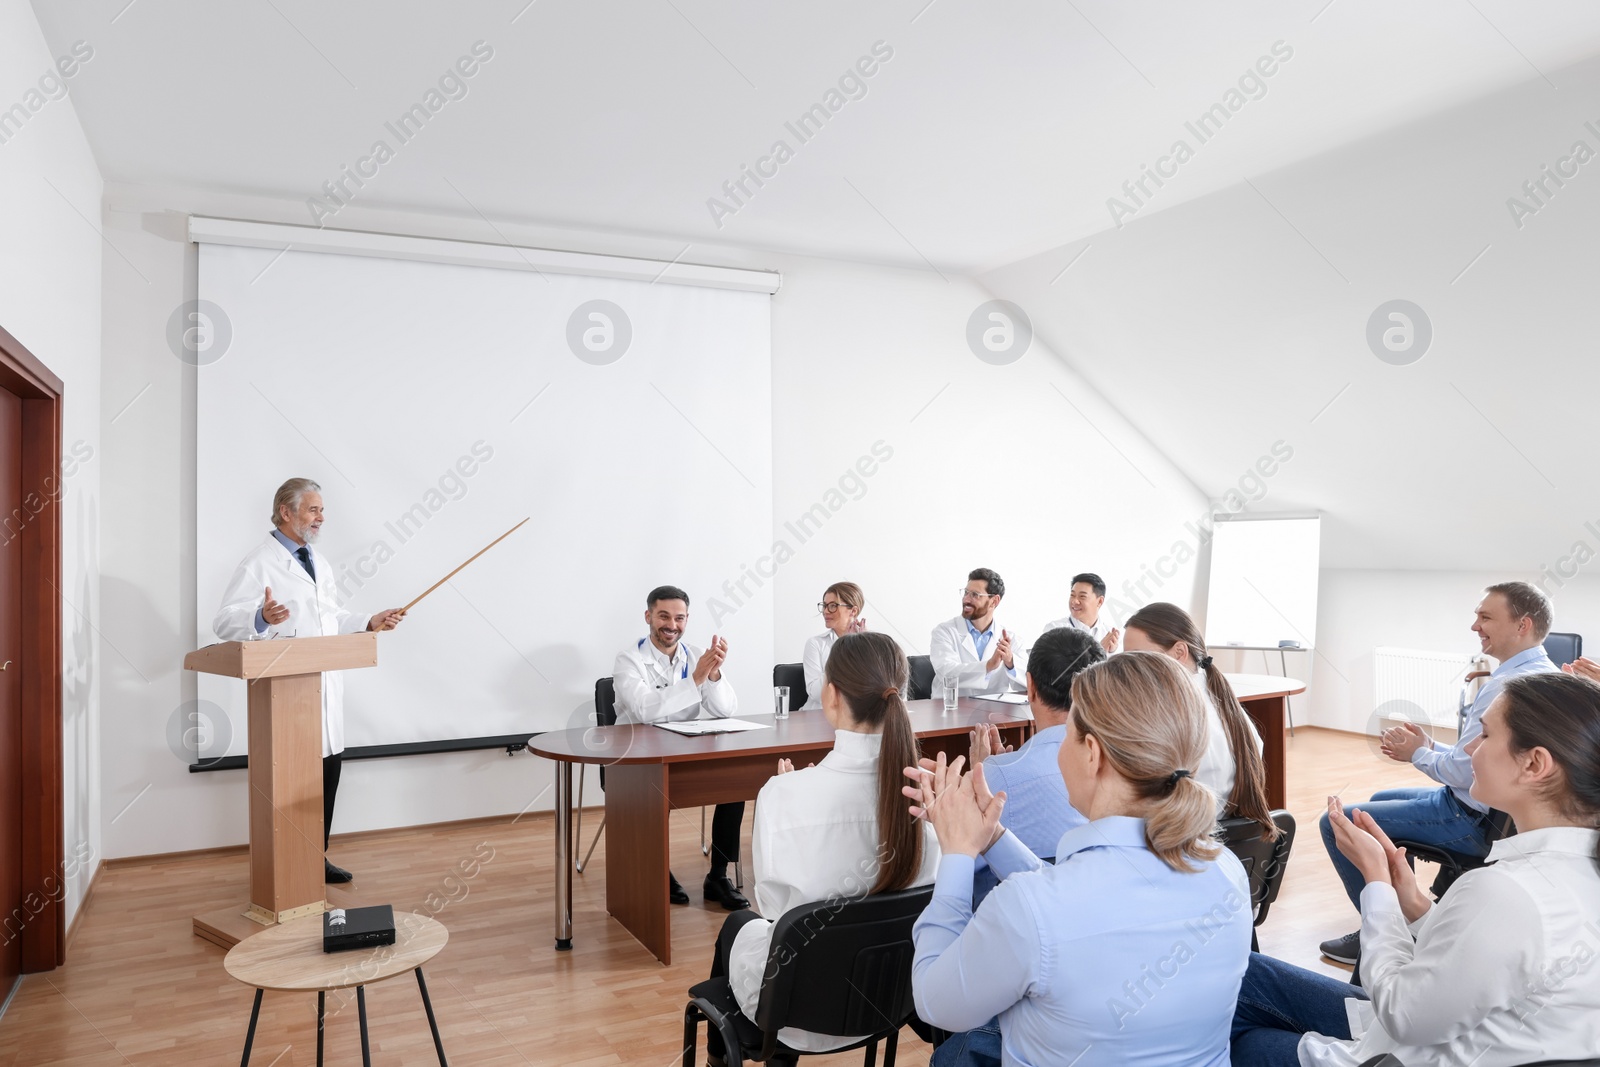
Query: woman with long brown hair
(840, 828)
(1232, 765)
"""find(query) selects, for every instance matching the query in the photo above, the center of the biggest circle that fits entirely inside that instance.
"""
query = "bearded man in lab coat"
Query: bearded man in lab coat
(283, 589)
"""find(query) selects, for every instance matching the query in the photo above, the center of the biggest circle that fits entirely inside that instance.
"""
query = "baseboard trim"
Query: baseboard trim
(353, 835)
(83, 909)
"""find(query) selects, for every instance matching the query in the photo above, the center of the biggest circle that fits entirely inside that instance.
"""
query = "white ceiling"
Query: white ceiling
(995, 131)
(1376, 166)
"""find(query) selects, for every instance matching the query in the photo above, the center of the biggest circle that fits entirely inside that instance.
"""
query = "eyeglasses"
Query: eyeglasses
(967, 594)
(828, 607)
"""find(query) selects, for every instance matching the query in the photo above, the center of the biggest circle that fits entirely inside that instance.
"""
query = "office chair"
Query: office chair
(792, 675)
(605, 714)
(921, 686)
(1264, 861)
(1563, 648)
(831, 970)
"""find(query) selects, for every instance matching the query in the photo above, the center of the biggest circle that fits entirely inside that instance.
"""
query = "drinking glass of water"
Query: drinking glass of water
(950, 694)
(780, 702)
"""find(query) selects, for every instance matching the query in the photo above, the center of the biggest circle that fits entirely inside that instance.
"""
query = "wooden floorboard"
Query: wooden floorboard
(139, 988)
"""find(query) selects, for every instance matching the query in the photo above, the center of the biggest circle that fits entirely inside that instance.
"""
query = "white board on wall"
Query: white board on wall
(1263, 587)
(439, 403)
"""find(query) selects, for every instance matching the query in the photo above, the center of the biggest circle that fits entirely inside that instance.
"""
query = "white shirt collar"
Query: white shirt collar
(1563, 840)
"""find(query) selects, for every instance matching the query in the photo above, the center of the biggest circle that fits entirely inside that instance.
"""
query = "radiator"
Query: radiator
(1420, 686)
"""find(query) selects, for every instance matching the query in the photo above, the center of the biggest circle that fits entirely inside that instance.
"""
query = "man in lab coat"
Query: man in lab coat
(1086, 602)
(284, 589)
(972, 649)
(663, 678)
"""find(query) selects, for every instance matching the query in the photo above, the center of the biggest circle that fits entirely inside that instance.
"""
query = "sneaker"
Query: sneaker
(1344, 949)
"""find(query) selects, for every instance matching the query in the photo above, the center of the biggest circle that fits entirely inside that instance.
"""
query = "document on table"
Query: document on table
(698, 727)
(1008, 698)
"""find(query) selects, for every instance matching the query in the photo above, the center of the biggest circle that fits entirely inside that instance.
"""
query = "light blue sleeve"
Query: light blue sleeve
(1009, 856)
(1452, 765)
(969, 968)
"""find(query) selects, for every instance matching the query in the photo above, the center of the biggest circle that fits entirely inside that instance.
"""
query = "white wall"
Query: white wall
(893, 338)
(1022, 467)
(50, 281)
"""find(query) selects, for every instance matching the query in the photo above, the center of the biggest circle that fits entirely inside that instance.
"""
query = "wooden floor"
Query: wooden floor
(139, 988)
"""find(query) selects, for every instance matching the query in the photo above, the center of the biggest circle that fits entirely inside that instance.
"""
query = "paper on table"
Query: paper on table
(698, 727)
(1008, 698)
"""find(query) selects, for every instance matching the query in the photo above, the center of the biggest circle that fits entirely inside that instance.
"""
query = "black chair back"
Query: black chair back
(841, 967)
(605, 702)
(792, 675)
(921, 687)
(1264, 861)
(1563, 648)
(605, 711)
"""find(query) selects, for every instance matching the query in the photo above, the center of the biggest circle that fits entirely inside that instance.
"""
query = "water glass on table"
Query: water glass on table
(780, 702)
(951, 692)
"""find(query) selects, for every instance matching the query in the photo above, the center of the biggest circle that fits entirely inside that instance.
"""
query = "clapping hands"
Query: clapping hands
(962, 811)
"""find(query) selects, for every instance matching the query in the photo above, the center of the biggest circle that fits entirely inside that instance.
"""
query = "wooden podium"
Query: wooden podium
(284, 682)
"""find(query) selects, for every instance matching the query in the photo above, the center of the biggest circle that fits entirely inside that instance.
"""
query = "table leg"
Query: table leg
(563, 856)
(427, 1006)
(1269, 714)
(250, 1034)
(361, 1013)
(322, 1005)
(636, 853)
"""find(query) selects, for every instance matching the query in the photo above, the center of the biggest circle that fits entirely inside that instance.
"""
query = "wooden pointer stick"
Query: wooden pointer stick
(458, 570)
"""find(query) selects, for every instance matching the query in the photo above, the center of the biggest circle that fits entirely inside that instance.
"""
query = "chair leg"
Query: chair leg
(871, 1054)
(577, 816)
(598, 831)
(705, 845)
(889, 1049)
(691, 1035)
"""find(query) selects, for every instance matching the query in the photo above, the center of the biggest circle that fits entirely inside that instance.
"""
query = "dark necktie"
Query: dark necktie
(304, 555)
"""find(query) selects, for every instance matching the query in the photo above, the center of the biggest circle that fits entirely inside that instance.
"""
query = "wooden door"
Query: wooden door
(13, 910)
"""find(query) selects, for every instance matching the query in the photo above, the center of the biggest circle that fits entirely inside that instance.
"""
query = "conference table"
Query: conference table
(650, 771)
(1265, 698)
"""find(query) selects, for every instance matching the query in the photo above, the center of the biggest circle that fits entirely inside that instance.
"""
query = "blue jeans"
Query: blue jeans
(1429, 816)
(974, 1048)
(1278, 1002)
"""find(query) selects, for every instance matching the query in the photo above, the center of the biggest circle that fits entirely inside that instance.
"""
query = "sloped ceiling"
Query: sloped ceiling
(1222, 310)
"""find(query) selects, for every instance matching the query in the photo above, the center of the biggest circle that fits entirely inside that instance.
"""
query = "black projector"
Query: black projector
(347, 928)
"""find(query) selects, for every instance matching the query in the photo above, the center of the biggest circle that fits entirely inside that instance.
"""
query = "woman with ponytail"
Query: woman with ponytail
(1232, 765)
(836, 830)
(1505, 969)
(1130, 947)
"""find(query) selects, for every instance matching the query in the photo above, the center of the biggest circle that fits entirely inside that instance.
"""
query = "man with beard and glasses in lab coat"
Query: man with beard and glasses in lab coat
(1087, 602)
(283, 589)
(663, 678)
(972, 649)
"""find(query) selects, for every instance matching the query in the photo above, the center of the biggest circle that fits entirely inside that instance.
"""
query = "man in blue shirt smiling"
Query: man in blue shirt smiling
(1511, 621)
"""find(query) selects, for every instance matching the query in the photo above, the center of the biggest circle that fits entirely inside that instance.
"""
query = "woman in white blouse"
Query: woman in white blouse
(1232, 764)
(1506, 968)
(824, 831)
(841, 612)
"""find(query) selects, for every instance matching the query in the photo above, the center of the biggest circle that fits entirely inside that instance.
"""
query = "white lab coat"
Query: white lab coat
(652, 688)
(314, 611)
(815, 662)
(1102, 626)
(953, 652)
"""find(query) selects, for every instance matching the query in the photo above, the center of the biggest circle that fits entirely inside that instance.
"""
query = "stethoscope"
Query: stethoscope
(653, 670)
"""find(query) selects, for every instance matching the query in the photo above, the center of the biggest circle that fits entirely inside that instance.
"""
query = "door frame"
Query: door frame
(44, 938)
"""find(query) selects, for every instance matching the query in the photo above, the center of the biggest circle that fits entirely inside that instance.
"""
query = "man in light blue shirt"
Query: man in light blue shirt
(1511, 622)
(1037, 810)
